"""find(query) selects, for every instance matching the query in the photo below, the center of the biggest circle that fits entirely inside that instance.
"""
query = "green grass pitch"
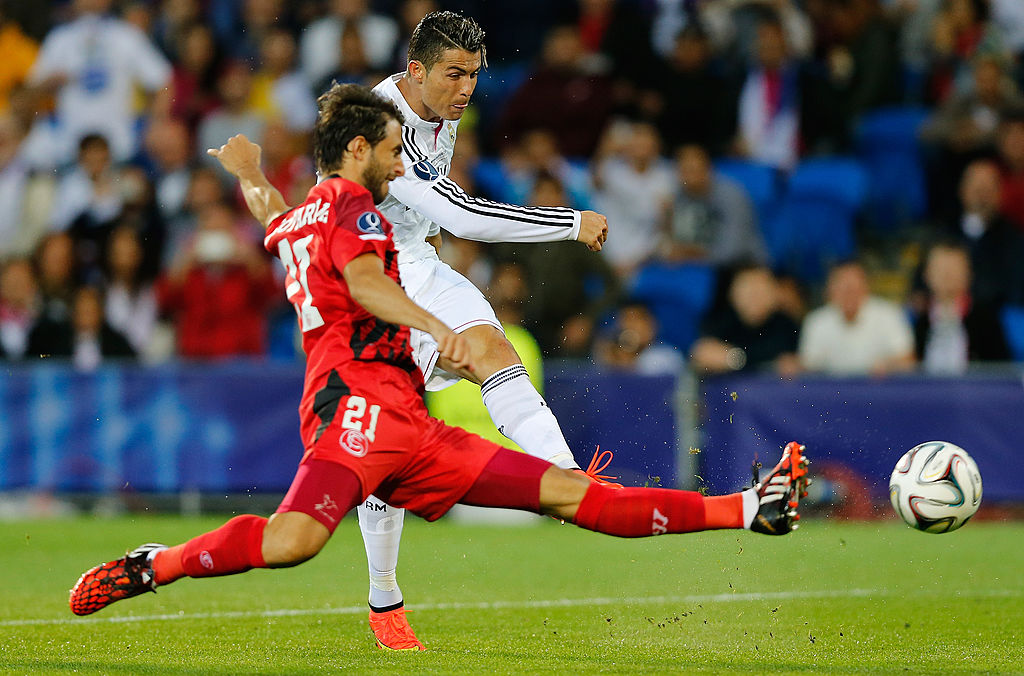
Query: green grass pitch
(831, 598)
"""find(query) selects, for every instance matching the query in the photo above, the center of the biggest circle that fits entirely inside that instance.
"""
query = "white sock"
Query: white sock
(381, 525)
(522, 415)
(750, 504)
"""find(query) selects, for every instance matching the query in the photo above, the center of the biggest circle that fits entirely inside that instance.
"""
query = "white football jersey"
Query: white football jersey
(425, 199)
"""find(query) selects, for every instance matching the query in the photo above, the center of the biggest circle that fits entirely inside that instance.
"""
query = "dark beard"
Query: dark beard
(375, 180)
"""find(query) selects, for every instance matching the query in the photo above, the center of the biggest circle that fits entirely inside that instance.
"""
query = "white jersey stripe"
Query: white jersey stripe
(542, 215)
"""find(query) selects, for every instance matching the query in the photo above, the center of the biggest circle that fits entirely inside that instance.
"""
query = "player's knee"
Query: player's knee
(492, 351)
(290, 541)
(561, 491)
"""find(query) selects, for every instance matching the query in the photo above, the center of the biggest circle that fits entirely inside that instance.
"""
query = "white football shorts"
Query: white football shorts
(454, 300)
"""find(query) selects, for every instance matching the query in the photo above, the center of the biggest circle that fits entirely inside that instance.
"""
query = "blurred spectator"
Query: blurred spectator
(143, 217)
(89, 197)
(257, 20)
(954, 329)
(285, 166)
(218, 291)
(560, 95)
(19, 52)
(961, 31)
(131, 300)
(965, 127)
(409, 14)
(353, 63)
(1010, 142)
(93, 64)
(769, 103)
(862, 73)
(616, 37)
(537, 153)
(915, 19)
(750, 332)
(696, 103)
(55, 274)
(86, 337)
(731, 24)
(205, 188)
(855, 333)
(279, 90)
(322, 40)
(19, 305)
(967, 122)
(235, 115)
(170, 23)
(1008, 16)
(630, 343)
(194, 78)
(633, 184)
(711, 218)
(570, 288)
(996, 247)
(26, 198)
(169, 147)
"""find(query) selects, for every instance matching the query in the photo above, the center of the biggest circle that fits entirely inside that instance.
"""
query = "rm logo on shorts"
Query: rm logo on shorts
(355, 442)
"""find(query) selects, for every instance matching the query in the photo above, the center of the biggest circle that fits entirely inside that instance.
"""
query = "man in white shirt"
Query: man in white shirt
(94, 63)
(856, 333)
(446, 53)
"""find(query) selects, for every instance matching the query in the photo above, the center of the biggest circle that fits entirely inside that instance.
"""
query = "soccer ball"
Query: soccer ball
(936, 487)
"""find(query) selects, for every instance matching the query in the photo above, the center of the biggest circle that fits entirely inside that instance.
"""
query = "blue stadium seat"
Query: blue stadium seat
(887, 144)
(815, 223)
(678, 296)
(761, 181)
(1013, 327)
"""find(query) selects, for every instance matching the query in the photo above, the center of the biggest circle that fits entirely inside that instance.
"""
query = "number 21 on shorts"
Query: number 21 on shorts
(354, 412)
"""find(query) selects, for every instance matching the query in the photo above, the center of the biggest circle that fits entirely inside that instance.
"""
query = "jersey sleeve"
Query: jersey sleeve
(446, 204)
(356, 228)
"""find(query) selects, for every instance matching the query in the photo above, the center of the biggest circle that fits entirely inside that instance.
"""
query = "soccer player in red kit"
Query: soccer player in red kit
(364, 426)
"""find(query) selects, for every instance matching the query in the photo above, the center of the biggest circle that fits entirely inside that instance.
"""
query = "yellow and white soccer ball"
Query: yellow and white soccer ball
(935, 487)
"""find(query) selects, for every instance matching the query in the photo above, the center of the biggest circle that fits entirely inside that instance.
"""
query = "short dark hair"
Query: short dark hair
(439, 31)
(348, 111)
(93, 140)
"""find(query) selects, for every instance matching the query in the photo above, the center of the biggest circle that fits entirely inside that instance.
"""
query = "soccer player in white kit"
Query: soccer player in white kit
(446, 53)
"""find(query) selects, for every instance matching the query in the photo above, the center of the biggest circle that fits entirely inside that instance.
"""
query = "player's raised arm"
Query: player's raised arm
(381, 296)
(241, 157)
(443, 201)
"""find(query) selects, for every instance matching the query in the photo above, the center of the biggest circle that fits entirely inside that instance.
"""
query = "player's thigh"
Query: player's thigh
(461, 306)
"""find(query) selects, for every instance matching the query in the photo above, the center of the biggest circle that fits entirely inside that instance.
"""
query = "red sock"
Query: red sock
(641, 512)
(235, 547)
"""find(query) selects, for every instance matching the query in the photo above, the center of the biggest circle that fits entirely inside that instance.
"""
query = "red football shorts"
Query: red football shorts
(381, 431)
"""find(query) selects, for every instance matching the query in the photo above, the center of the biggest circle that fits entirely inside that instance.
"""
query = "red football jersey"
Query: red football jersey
(316, 240)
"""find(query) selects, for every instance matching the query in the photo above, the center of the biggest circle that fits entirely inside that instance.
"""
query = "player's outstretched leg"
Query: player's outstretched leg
(320, 495)
(517, 481)
(381, 526)
(770, 508)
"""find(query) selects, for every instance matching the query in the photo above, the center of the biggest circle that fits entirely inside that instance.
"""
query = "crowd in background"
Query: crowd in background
(120, 237)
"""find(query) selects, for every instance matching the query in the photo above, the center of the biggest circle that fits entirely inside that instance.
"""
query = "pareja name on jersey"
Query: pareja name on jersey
(314, 212)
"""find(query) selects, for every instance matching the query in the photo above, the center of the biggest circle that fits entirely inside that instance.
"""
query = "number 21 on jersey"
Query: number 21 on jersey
(295, 257)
